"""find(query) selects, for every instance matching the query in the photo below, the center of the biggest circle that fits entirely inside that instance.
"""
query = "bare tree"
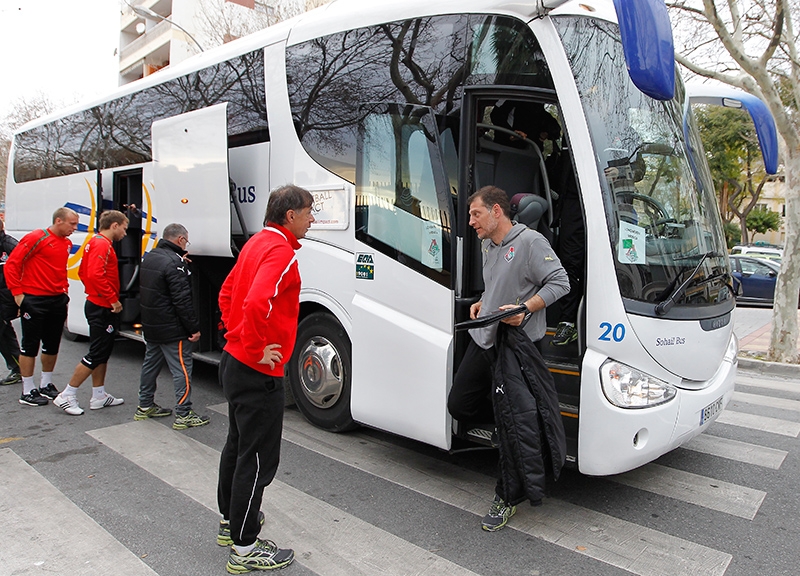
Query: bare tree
(220, 21)
(22, 111)
(759, 42)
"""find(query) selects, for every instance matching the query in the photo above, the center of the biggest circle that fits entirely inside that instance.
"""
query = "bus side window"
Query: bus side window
(403, 200)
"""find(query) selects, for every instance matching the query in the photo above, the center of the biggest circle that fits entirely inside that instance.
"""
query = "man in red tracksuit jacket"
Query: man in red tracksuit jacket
(260, 303)
(99, 273)
(36, 274)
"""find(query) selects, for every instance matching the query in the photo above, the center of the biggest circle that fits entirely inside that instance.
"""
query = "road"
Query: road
(102, 494)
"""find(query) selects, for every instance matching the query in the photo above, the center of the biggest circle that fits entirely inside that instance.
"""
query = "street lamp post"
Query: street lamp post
(147, 13)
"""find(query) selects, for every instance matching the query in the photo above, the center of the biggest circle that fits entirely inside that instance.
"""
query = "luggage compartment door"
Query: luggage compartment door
(190, 172)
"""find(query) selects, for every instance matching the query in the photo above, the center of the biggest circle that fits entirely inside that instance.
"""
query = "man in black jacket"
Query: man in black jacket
(9, 345)
(170, 327)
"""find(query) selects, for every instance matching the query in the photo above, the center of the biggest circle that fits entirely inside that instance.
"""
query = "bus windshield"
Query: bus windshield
(663, 222)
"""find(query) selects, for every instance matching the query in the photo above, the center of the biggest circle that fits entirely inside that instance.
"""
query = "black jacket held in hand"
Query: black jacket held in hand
(165, 293)
(528, 419)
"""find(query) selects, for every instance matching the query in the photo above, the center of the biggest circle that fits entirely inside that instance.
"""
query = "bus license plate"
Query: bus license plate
(709, 411)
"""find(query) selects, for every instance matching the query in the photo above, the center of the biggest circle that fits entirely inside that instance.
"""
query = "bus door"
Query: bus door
(513, 138)
(403, 302)
(127, 193)
(190, 173)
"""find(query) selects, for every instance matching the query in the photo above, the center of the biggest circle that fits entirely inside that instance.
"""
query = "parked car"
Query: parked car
(757, 251)
(757, 278)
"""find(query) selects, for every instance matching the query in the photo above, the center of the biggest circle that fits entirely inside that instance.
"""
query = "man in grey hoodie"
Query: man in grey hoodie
(519, 267)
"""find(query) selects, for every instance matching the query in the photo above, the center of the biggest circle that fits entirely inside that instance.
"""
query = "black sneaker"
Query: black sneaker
(33, 398)
(224, 534)
(264, 556)
(49, 391)
(498, 515)
(12, 378)
(566, 333)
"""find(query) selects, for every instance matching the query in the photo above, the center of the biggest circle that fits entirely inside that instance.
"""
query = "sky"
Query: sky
(64, 49)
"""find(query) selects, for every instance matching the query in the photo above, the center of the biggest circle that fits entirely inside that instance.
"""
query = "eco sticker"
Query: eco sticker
(631, 243)
(365, 266)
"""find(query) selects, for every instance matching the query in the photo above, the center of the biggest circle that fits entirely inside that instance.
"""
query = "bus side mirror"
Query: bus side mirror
(648, 46)
(729, 97)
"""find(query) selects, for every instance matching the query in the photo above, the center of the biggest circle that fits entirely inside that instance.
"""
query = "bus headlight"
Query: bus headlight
(627, 387)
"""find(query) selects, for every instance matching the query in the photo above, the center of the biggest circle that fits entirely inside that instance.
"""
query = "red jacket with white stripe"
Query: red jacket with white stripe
(99, 272)
(260, 299)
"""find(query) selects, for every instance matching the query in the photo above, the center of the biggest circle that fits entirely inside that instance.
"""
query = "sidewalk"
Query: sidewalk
(753, 327)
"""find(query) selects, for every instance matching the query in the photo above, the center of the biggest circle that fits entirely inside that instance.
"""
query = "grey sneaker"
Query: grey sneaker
(189, 420)
(224, 534)
(498, 515)
(265, 556)
(12, 378)
(566, 333)
(154, 411)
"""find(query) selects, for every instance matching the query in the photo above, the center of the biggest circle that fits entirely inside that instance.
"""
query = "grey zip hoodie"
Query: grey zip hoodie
(522, 265)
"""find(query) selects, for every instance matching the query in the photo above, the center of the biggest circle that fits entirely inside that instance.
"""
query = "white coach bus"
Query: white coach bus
(383, 110)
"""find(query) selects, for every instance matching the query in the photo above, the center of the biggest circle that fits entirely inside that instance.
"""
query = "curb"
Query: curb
(769, 368)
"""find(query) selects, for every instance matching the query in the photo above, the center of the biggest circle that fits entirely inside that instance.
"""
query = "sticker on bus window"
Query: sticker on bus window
(631, 243)
(365, 266)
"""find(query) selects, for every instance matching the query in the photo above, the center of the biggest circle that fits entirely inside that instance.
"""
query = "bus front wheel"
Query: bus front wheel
(320, 373)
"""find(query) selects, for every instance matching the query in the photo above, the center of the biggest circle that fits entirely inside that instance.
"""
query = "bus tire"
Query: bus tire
(320, 373)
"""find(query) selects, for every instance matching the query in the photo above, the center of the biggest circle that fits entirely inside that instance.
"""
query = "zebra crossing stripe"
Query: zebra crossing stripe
(762, 423)
(738, 451)
(769, 401)
(635, 548)
(47, 533)
(326, 540)
(695, 489)
(780, 385)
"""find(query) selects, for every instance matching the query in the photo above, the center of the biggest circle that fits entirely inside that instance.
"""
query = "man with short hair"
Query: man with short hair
(260, 304)
(36, 274)
(99, 273)
(170, 327)
(9, 345)
(519, 267)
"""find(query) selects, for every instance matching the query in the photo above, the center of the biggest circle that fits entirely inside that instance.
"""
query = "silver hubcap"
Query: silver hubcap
(321, 372)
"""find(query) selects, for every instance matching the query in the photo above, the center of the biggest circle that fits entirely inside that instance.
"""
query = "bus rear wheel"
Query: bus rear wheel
(320, 373)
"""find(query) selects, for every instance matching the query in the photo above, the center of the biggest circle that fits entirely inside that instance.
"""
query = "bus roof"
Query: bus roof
(333, 17)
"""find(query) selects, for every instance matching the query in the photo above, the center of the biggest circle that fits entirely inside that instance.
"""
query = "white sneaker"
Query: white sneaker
(69, 404)
(109, 400)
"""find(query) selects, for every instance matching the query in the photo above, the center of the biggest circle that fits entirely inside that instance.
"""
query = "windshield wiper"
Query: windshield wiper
(666, 305)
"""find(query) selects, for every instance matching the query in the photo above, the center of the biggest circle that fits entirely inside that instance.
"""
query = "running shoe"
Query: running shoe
(264, 556)
(189, 420)
(109, 400)
(49, 391)
(224, 534)
(12, 378)
(68, 404)
(33, 398)
(154, 411)
(566, 333)
(498, 515)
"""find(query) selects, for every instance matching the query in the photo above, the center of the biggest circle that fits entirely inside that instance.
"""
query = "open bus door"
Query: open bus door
(190, 175)
(403, 304)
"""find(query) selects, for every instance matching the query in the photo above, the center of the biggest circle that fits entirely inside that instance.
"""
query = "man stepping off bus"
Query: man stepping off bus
(36, 274)
(519, 267)
(99, 273)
